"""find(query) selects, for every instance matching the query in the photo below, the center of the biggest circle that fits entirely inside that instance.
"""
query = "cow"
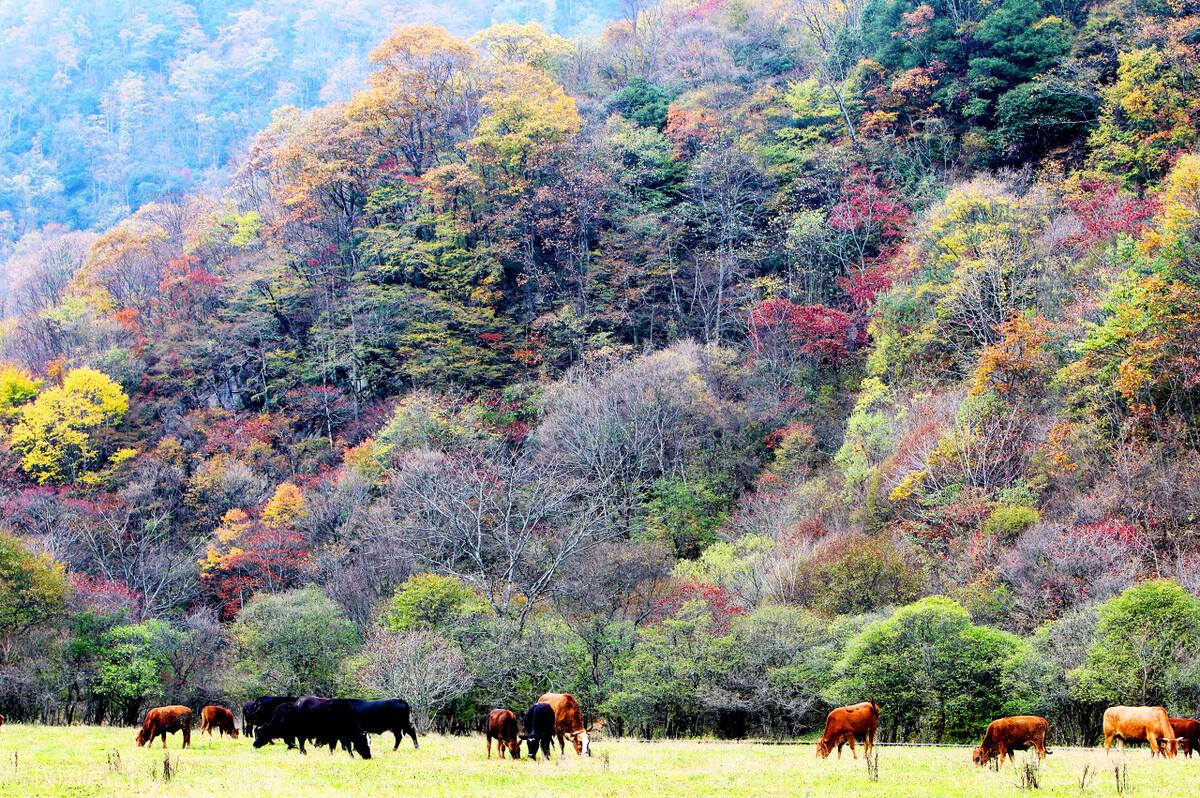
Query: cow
(219, 718)
(326, 721)
(1140, 724)
(3, 720)
(1005, 735)
(260, 711)
(388, 715)
(501, 725)
(162, 721)
(568, 722)
(1187, 732)
(846, 723)
(539, 729)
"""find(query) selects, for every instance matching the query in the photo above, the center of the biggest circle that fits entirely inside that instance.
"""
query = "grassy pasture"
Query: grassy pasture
(89, 761)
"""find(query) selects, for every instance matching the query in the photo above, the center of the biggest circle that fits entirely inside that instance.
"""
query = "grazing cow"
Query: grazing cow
(1006, 735)
(3, 720)
(502, 726)
(539, 729)
(1140, 724)
(219, 718)
(326, 721)
(1187, 732)
(389, 715)
(260, 711)
(162, 721)
(568, 722)
(845, 723)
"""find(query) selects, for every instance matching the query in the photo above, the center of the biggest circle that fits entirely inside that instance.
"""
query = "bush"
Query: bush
(1007, 522)
(854, 574)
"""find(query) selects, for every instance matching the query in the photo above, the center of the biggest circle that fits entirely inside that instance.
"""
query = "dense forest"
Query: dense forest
(749, 358)
(110, 104)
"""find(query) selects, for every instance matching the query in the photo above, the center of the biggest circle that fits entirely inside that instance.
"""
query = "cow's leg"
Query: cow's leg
(562, 745)
(489, 746)
(412, 732)
(547, 744)
(1108, 741)
(164, 739)
(187, 736)
(853, 753)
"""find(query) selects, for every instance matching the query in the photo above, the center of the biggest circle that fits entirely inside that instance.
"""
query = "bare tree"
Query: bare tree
(423, 668)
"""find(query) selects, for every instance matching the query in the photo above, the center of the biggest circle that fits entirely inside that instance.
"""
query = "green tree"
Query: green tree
(685, 514)
(134, 667)
(292, 643)
(33, 590)
(936, 675)
(56, 434)
(1147, 640)
(432, 602)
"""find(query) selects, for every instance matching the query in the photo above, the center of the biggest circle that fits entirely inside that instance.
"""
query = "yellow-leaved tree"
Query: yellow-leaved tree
(55, 435)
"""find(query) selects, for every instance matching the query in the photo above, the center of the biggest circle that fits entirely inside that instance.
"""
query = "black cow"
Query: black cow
(325, 721)
(389, 715)
(260, 711)
(539, 728)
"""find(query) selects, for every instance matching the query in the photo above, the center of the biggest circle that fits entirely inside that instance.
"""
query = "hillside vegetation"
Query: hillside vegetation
(752, 358)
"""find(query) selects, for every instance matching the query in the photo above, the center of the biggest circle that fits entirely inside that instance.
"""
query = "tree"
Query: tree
(423, 668)
(134, 666)
(940, 676)
(422, 98)
(292, 643)
(432, 602)
(33, 591)
(17, 387)
(1145, 649)
(56, 435)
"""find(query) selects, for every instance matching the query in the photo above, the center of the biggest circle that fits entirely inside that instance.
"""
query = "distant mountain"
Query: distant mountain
(108, 104)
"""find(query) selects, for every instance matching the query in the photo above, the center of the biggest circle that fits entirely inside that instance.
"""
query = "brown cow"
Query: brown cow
(1006, 735)
(1140, 724)
(165, 720)
(1187, 732)
(568, 722)
(845, 723)
(219, 718)
(3, 720)
(502, 725)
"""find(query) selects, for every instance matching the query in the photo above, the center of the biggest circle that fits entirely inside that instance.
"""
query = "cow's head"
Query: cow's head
(263, 736)
(514, 747)
(234, 732)
(981, 756)
(823, 748)
(582, 743)
(360, 745)
(142, 737)
(1169, 746)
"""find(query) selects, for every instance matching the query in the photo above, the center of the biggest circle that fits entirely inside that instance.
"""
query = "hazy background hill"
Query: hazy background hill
(106, 104)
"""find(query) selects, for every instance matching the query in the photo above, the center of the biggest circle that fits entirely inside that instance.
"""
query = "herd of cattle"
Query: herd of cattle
(347, 722)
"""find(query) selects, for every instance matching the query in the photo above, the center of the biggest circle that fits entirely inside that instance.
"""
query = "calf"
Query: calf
(1187, 732)
(162, 721)
(502, 726)
(219, 718)
(1006, 735)
(568, 722)
(328, 721)
(389, 715)
(1140, 724)
(845, 723)
(539, 729)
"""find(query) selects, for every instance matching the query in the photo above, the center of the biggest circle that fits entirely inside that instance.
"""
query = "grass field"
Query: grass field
(90, 761)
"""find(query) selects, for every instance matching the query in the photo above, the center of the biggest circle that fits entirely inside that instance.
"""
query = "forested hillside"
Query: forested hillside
(753, 357)
(110, 104)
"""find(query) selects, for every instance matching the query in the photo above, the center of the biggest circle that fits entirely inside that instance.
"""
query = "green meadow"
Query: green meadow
(81, 762)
